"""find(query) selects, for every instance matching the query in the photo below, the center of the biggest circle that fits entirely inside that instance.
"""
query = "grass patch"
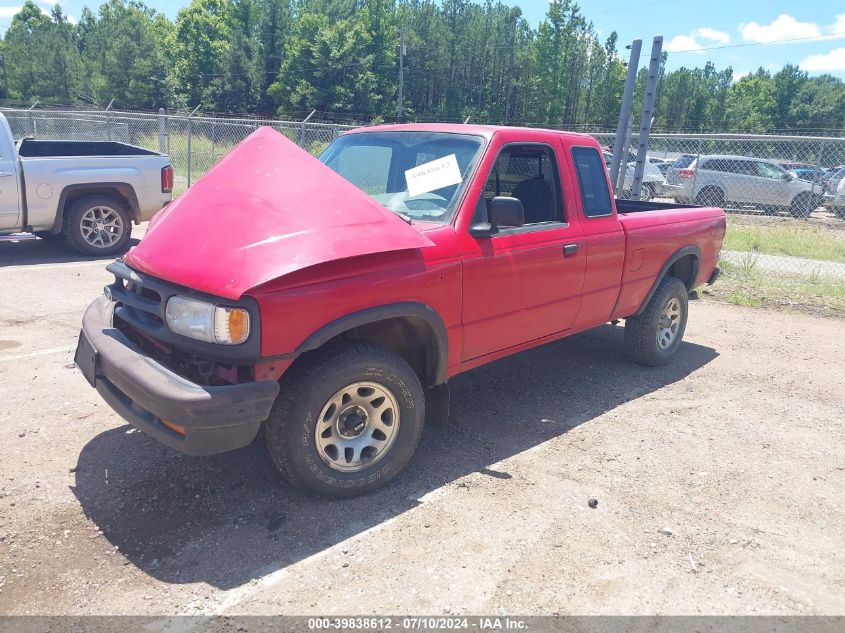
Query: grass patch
(742, 283)
(796, 238)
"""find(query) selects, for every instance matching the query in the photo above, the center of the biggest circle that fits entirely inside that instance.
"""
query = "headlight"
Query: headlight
(206, 322)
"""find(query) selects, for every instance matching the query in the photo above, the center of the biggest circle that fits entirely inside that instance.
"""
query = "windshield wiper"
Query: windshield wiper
(407, 218)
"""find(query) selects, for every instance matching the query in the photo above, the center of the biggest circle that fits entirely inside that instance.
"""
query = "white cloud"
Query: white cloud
(9, 12)
(681, 43)
(834, 61)
(784, 27)
(691, 42)
(715, 36)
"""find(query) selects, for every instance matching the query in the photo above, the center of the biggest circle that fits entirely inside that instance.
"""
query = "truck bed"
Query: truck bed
(31, 148)
(641, 206)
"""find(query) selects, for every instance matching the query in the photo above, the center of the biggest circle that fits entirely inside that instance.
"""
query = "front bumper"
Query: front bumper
(144, 392)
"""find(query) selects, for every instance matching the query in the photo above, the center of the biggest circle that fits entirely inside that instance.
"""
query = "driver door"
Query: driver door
(523, 283)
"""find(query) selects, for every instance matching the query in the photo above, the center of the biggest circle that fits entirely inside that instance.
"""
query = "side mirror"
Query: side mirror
(789, 176)
(504, 212)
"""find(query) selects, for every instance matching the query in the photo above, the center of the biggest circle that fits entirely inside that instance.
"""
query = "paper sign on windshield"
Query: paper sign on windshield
(434, 175)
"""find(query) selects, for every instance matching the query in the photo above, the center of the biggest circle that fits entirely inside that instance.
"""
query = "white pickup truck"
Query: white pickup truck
(88, 192)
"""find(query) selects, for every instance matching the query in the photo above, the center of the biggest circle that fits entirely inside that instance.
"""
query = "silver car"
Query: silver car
(722, 180)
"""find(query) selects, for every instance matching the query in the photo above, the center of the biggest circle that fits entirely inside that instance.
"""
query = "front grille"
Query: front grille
(139, 312)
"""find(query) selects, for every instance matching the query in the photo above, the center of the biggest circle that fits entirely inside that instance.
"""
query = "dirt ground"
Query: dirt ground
(720, 482)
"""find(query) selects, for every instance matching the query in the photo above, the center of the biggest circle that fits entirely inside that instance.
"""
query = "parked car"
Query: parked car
(836, 203)
(806, 171)
(88, 192)
(653, 181)
(831, 182)
(720, 180)
(365, 280)
(663, 167)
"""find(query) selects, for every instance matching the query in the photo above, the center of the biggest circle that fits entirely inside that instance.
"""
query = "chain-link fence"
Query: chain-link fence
(195, 143)
(785, 195)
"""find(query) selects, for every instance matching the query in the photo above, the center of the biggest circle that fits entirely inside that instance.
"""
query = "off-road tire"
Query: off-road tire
(290, 429)
(72, 226)
(641, 331)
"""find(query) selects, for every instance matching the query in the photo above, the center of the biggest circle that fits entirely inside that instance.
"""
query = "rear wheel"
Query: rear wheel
(647, 192)
(98, 225)
(653, 337)
(347, 420)
(710, 197)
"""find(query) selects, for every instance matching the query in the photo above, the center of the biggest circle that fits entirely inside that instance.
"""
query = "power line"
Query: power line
(833, 36)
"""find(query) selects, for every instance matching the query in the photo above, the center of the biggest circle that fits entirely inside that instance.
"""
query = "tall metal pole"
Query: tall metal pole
(625, 111)
(619, 187)
(648, 115)
(399, 114)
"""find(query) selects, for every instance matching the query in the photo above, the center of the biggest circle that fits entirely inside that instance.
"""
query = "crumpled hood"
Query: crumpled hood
(266, 210)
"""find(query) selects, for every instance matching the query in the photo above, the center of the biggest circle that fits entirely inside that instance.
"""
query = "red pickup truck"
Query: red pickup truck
(330, 300)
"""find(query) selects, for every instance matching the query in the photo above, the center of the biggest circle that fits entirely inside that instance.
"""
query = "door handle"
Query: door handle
(570, 249)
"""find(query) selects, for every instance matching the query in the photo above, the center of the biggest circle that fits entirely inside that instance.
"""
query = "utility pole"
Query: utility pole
(625, 113)
(402, 53)
(647, 118)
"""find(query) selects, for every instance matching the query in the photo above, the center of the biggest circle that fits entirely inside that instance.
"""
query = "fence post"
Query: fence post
(816, 180)
(302, 128)
(109, 119)
(162, 131)
(190, 134)
(695, 172)
(32, 120)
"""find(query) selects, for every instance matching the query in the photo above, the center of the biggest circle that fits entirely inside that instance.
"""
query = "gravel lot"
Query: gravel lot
(720, 482)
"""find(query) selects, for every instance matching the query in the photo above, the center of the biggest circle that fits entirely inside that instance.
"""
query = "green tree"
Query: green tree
(42, 56)
(328, 66)
(201, 45)
(750, 103)
(124, 56)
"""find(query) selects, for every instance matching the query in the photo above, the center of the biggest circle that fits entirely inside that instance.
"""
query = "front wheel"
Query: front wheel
(347, 421)
(653, 336)
(802, 206)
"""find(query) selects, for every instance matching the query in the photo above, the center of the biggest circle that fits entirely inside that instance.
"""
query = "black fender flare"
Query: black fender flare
(408, 309)
(674, 257)
(123, 189)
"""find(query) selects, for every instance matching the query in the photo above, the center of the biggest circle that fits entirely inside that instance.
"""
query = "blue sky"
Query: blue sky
(742, 34)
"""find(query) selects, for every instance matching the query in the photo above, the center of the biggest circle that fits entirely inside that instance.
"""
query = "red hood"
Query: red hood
(266, 210)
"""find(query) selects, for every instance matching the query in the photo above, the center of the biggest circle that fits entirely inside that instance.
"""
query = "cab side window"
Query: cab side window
(592, 178)
(528, 173)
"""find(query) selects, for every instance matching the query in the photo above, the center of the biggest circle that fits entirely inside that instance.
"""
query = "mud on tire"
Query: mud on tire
(363, 381)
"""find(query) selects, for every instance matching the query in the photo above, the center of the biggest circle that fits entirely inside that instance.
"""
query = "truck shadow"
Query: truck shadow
(27, 250)
(228, 519)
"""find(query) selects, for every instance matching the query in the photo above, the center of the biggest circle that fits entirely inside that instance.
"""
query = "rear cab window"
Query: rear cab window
(592, 179)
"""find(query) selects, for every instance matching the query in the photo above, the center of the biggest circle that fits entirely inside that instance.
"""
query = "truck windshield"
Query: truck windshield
(417, 174)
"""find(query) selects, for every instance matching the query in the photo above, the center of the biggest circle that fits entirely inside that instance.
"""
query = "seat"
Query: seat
(537, 200)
